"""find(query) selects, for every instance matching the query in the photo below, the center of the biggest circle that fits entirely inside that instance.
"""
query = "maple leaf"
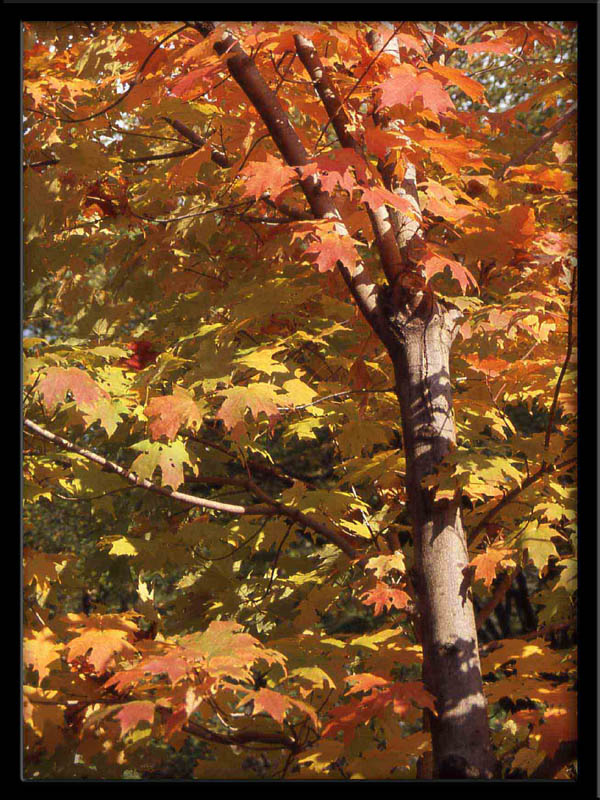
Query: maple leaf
(558, 725)
(89, 398)
(379, 695)
(435, 262)
(331, 247)
(380, 142)
(43, 569)
(486, 564)
(364, 682)
(41, 650)
(381, 565)
(261, 359)
(384, 597)
(517, 225)
(143, 354)
(536, 538)
(270, 176)
(44, 715)
(499, 45)
(131, 714)
(194, 83)
(58, 381)
(410, 43)
(169, 412)
(258, 397)
(173, 665)
(169, 457)
(470, 87)
(407, 83)
(531, 657)
(490, 365)
(228, 650)
(273, 703)
(376, 196)
(298, 393)
(335, 169)
(102, 639)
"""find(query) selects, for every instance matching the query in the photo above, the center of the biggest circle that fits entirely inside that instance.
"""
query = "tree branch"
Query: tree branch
(110, 466)
(495, 600)
(216, 155)
(380, 220)
(129, 160)
(512, 495)
(121, 97)
(269, 508)
(242, 738)
(516, 161)
(364, 291)
(566, 360)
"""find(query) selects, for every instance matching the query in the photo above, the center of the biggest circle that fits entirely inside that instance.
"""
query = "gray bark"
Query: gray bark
(424, 331)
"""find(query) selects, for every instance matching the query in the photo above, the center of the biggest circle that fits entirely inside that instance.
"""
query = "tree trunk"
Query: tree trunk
(423, 331)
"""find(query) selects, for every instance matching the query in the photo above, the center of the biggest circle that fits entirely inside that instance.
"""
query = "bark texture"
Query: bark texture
(424, 330)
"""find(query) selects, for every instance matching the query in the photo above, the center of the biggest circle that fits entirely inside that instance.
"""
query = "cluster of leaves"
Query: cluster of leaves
(184, 319)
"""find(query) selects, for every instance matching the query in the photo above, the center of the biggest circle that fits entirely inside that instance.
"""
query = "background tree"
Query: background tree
(247, 248)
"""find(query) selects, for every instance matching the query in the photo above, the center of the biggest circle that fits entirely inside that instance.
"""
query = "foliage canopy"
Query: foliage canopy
(218, 556)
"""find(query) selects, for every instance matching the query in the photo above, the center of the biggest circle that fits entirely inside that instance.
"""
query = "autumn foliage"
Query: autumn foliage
(218, 563)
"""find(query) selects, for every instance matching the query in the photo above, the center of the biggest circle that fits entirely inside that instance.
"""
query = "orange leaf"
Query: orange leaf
(384, 596)
(406, 84)
(332, 247)
(170, 412)
(486, 563)
(40, 649)
(271, 176)
(470, 87)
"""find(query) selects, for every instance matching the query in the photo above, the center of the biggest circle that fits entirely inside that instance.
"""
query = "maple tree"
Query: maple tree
(300, 340)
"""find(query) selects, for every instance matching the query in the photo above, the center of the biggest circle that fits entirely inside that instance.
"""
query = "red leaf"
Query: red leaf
(380, 142)
(193, 84)
(490, 366)
(143, 354)
(131, 714)
(335, 168)
(436, 262)
(470, 87)
(376, 196)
